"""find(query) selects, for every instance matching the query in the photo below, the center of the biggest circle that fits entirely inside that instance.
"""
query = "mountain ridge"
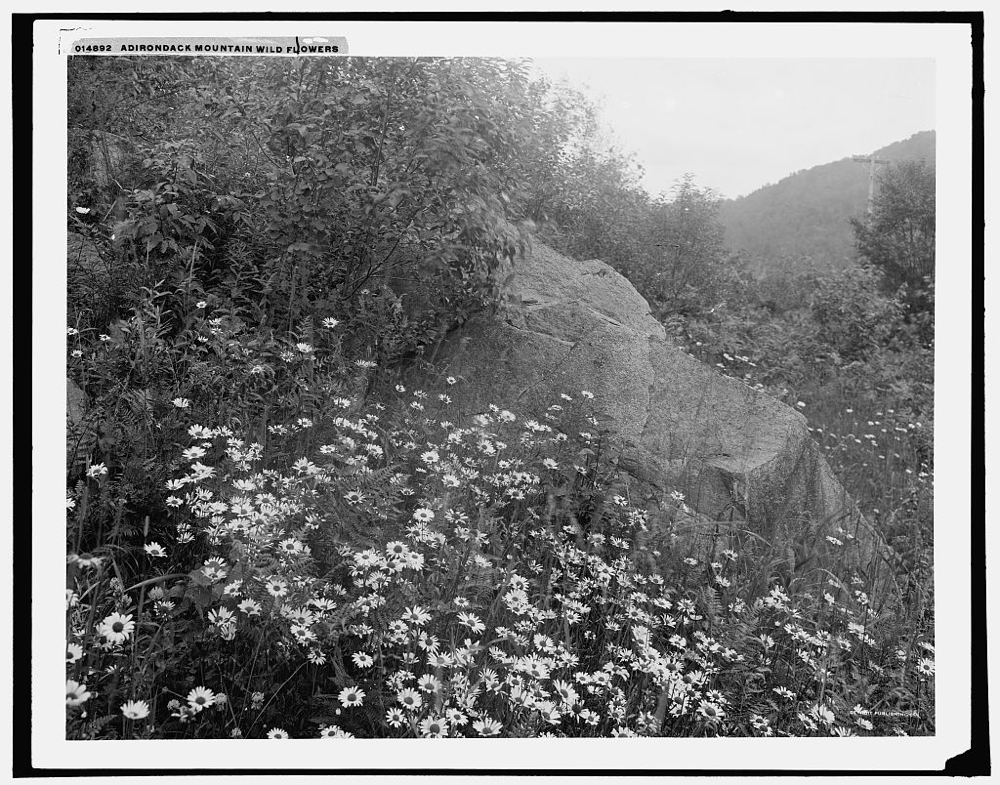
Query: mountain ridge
(806, 214)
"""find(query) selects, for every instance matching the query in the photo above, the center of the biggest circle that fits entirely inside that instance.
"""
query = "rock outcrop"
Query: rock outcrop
(734, 452)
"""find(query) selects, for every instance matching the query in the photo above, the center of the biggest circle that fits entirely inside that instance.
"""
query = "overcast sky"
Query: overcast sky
(740, 124)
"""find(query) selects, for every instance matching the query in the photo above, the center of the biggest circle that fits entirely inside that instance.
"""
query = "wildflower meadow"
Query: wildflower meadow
(407, 570)
(282, 521)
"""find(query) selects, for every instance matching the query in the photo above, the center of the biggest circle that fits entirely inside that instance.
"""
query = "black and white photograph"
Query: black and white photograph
(593, 390)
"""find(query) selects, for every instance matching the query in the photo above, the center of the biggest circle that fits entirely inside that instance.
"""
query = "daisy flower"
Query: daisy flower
(351, 696)
(214, 569)
(220, 616)
(565, 691)
(366, 559)
(250, 607)
(193, 453)
(291, 546)
(423, 515)
(925, 666)
(471, 621)
(200, 698)
(276, 587)
(155, 550)
(433, 727)
(76, 693)
(759, 722)
(535, 668)
(117, 627)
(712, 712)
(822, 713)
(428, 643)
(548, 712)
(428, 683)
(395, 717)
(74, 651)
(362, 660)
(416, 615)
(487, 727)
(277, 733)
(324, 604)
(410, 699)
(135, 710)
(441, 660)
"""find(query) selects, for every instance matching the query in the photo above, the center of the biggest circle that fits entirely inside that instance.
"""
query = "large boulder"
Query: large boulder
(734, 452)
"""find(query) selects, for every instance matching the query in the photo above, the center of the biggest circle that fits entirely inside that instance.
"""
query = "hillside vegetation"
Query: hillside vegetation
(805, 217)
(271, 534)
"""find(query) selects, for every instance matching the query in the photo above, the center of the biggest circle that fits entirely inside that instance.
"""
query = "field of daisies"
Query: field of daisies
(405, 570)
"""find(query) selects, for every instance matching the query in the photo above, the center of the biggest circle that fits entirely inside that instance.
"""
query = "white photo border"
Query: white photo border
(947, 44)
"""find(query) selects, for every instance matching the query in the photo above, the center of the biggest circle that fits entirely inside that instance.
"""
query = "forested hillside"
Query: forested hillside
(806, 216)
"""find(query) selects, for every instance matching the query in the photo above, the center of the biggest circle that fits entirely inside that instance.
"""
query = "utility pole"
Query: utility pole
(873, 164)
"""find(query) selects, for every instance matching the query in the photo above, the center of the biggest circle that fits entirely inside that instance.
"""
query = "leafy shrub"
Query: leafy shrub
(854, 316)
